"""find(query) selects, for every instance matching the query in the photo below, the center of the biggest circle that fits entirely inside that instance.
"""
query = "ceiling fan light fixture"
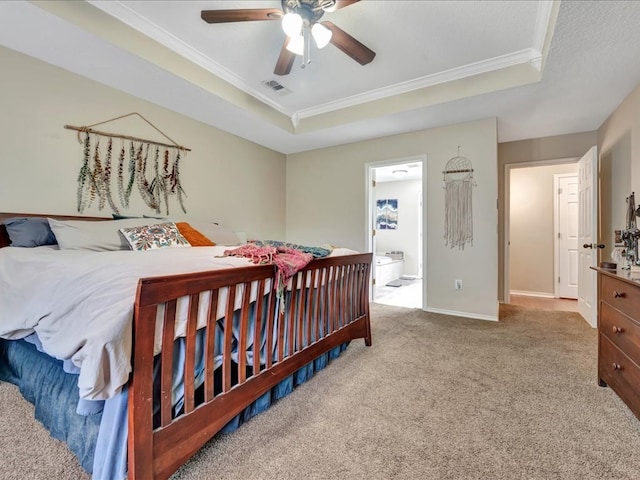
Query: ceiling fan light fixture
(321, 35)
(292, 24)
(296, 44)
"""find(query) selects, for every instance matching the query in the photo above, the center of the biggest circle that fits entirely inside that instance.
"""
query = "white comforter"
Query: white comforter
(80, 304)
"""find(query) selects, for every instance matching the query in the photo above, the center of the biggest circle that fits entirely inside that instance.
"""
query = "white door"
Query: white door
(587, 235)
(568, 236)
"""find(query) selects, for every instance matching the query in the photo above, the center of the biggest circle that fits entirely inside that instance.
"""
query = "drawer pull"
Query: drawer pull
(617, 366)
(617, 294)
(617, 329)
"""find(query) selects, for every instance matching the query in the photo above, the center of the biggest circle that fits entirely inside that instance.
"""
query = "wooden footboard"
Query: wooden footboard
(327, 305)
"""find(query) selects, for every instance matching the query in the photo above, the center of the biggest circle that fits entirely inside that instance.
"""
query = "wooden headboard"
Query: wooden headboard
(4, 236)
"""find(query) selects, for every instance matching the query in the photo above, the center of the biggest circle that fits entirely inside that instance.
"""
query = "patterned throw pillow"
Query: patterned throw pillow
(151, 237)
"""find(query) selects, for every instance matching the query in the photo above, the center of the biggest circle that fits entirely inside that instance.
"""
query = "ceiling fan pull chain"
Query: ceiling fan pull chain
(306, 58)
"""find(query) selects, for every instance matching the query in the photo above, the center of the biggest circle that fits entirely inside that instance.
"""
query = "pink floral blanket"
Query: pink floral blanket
(287, 261)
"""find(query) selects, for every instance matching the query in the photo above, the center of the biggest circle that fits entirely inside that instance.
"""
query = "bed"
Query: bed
(208, 349)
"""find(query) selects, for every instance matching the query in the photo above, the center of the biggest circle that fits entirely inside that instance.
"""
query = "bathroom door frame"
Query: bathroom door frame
(370, 216)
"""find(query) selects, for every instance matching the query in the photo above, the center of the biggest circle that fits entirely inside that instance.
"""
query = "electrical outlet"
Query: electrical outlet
(458, 284)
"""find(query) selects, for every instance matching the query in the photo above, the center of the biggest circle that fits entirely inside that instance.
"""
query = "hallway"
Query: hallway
(542, 303)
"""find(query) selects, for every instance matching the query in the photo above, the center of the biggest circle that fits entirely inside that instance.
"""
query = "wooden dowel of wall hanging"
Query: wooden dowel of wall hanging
(458, 171)
(125, 137)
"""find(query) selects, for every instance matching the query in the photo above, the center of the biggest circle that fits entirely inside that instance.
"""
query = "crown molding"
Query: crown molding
(123, 13)
(544, 21)
(528, 55)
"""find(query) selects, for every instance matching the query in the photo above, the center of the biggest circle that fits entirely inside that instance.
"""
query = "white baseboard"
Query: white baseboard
(532, 294)
(462, 314)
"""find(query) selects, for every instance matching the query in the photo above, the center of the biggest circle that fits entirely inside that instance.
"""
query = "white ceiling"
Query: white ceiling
(411, 170)
(540, 67)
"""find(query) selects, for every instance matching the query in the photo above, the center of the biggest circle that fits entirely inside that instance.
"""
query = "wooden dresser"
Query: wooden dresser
(619, 334)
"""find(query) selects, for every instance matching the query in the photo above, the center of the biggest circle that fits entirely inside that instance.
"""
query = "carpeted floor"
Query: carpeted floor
(435, 397)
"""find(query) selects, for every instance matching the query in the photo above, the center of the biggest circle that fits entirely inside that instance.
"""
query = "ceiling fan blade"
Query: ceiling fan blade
(343, 3)
(240, 15)
(285, 60)
(349, 45)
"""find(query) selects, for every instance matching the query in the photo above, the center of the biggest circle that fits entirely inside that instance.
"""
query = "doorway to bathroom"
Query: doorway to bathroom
(395, 216)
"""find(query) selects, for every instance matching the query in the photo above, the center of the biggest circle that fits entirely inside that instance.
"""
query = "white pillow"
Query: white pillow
(153, 237)
(97, 236)
(218, 234)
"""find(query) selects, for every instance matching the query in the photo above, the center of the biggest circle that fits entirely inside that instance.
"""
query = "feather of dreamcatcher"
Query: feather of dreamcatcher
(165, 179)
(98, 177)
(107, 177)
(132, 171)
(144, 188)
(157, 184)
(177, 187)
(84, 174)
(121, 189)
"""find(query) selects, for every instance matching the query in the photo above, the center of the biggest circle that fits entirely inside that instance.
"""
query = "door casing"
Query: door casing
(370, 213)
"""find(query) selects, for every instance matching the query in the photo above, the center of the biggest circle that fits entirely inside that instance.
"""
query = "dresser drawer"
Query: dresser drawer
(621, 295)
(619, 372)
(621, 330)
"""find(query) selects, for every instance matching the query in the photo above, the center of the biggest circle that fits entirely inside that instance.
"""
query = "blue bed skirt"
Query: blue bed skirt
(101, 449)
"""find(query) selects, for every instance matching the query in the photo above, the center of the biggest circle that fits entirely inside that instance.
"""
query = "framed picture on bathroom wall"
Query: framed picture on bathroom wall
(387, 214)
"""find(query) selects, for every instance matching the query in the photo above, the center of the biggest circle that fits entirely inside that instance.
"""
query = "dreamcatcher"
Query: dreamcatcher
(458, 185)
(151, 168)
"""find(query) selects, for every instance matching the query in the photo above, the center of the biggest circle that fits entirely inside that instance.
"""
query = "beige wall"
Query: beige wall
(533, 150)
(619, 148)
(531, 228)
(326, 203)
(615, 188)
(226, 178)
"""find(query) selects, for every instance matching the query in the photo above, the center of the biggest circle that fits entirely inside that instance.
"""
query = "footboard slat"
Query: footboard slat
(228, 338)
(307, 322)
(316, 305)
(189, 360)
(166, 362)
(257, 338)
(327, 310)
(210, 343)
(246, 333)
(300, 341)
(271, 316)
(244, 325)
(291, 323)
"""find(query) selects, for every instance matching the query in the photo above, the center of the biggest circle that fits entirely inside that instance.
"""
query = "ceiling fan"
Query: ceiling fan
(300, 22)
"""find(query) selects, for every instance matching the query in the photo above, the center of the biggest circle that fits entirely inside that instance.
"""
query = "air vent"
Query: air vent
(274, 86)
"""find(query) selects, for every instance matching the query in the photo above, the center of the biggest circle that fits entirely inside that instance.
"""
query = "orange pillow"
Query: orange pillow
(193, 236)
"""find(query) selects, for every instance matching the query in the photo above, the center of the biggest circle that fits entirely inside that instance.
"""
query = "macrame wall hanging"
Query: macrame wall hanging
(458, 184)
(149, 167)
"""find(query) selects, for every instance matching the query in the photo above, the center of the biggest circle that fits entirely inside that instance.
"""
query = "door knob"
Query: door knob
(593, 245)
